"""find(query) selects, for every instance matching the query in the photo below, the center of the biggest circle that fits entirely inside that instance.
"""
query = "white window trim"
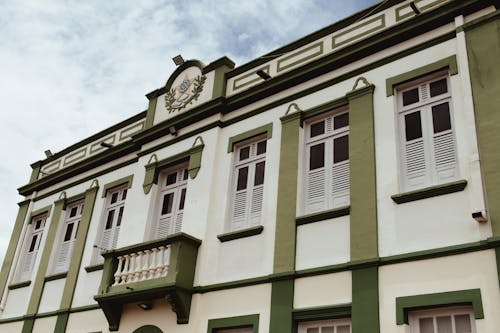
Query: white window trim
(61, 263)
(414, 316)
(31, 231)
(114, 231)
(303, 326)
(249, 219)
(330, 201)
(430, 176)
(176, 188)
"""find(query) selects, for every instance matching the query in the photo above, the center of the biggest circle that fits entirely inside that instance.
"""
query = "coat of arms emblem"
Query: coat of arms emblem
(184, 93)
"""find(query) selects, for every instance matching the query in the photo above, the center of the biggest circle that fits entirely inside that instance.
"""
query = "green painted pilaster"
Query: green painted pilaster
(14, 240)
(483, 50)
(150, 115)
(365, 315)
(363, 214)
(38, 284)
(76, 258)
(28, 325)
(281, 320)
(284, 244)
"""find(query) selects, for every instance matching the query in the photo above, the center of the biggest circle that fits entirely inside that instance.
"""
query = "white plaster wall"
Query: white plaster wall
(219, 304)
(250, 256)
(17, 303)
(323, 243)
(44, 325)
(323, 290)
(51, 296)
(15, 327)
(87, 321)
(86, 288)
(460, 272)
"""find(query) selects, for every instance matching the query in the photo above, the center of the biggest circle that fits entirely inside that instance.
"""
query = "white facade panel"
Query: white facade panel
(44, 325)
(51, 296)
(323, 290)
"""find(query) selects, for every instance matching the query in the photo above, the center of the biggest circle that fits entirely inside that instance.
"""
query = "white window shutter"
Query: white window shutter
(316, 191)
(164, 225)
(414, 163)
(27, 266)
(239, 211)
(445, 156)
(256, 205)
(64, 256)
(340, 184)
(178, 221)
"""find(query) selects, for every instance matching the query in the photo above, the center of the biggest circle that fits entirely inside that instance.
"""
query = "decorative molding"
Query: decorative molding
(405, 11)
(172, 104)
(252, 74)
(301, 56)
(351, 32)
(56, 277)
(417, 302)
(323, 312)
(247, 232)
(214, 325)
(265, 129)
(324, 215)
(429, 192)
(125, 180)
(19, 285)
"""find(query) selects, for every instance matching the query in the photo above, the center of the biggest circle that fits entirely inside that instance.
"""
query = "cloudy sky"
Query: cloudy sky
(71, 68)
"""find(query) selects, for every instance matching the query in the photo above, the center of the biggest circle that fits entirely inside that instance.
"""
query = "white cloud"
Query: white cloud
(71, 68)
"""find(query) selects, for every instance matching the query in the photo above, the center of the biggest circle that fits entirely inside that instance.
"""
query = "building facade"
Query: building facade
(346, 182)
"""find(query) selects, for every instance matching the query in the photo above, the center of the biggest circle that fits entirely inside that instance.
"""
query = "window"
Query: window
(31, 246)
(426, 128)
(248, 183)
(115, 204)
(327, 162)
(445, 320)
(172, 196)
(68, 236)
(325, 326)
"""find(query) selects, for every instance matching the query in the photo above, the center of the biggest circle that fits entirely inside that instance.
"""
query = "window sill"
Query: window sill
(19, 285)
(429, 192)
(94, 268)
(240, 233)
(55, 276)
(324, 215)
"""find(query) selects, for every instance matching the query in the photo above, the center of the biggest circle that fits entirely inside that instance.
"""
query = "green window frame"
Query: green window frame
(215, 325)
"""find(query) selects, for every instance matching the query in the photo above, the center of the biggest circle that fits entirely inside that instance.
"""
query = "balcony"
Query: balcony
(159, 269)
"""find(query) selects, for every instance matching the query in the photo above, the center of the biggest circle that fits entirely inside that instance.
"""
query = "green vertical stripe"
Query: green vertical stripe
(37, 290)
(14, 240)
(76, 258)
(284, 248)
(483, 50)
(363, 214)
(365, 309)
(281, 320)
(150, 115)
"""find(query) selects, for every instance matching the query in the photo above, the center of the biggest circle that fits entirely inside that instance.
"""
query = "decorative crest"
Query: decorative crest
(185, 93)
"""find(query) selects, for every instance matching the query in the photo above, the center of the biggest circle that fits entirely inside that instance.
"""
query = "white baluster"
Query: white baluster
(166, 260)
(145, 267)
(159, 265)
(138, 266)
(152, 264)
(118, 271)
(131, 268)
(123, 274)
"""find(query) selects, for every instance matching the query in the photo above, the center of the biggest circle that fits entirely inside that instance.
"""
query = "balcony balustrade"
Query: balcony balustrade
(159, 269)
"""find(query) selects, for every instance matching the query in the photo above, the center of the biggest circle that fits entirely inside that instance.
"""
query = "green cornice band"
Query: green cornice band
(429, 192)
(450, 63)
(265, 129)
(214, 325)
(462, 297)
(125, 180)
(14, 241)
(363, 210)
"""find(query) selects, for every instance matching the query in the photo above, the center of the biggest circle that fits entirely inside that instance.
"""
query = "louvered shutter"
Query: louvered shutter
(415, 168)
(27, 266)
(316, 190)
(445, 156)
(340, 184)
(239, 209)
(64, 256)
